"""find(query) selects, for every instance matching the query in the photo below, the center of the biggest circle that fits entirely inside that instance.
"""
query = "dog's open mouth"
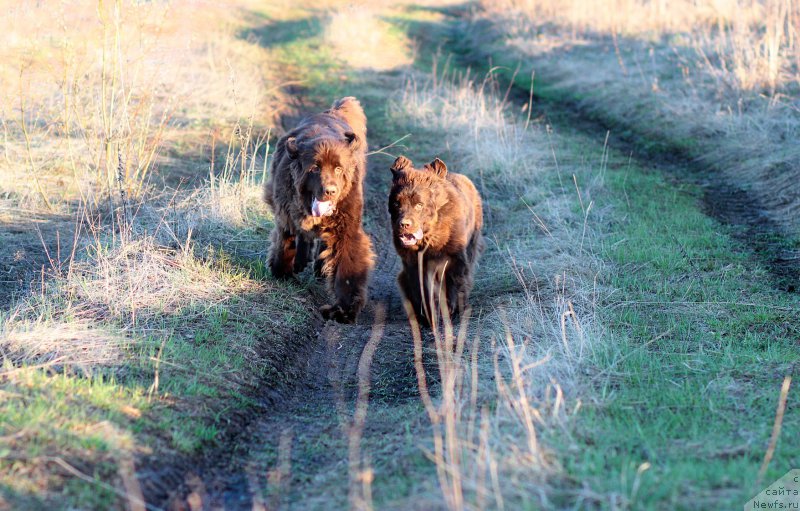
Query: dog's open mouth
(324, 208)
(411, 238)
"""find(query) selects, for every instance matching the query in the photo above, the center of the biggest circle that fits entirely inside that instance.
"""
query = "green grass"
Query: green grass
(76, 418)
(701, 343)
(706, 341)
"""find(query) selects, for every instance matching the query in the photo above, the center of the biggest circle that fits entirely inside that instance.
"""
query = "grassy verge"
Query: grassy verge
(150, 326)
(702, 342)
(147, 347)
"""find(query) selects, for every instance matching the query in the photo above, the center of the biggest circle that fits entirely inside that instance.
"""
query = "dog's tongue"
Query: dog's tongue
(411, 239)
(321, 208)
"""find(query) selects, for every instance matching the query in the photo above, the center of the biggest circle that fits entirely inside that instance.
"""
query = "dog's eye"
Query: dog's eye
(396, 204)
(338, 170)
(418, 206)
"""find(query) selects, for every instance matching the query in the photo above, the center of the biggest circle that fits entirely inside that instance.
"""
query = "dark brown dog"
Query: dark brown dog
(438, 215)
(315, 192)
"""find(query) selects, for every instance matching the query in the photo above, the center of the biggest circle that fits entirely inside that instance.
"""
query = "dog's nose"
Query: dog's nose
(405, 223)
(331, 191)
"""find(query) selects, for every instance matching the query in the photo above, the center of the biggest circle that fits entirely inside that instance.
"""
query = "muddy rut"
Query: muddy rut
(314, 414)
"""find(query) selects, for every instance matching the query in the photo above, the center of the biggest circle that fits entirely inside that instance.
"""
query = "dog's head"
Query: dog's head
(415, 200)
(327, 168)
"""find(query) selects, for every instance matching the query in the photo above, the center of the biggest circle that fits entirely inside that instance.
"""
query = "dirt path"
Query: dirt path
(299, 441)
(315, 414)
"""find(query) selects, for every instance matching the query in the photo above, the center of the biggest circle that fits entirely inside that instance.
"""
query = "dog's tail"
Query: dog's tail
(349, 110)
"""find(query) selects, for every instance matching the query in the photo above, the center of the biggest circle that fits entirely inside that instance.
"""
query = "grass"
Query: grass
(704, 344)
(177, 378)
(683, 382)
(749, 45)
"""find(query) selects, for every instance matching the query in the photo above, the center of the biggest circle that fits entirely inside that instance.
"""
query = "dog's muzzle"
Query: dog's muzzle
(325, 208)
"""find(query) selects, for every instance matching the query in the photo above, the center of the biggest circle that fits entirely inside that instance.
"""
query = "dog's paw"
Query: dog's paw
(337, 313)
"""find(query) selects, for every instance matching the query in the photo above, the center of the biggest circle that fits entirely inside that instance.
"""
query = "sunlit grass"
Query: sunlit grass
(751, 45)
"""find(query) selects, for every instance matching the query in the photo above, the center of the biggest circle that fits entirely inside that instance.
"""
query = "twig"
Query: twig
(154, 387)
(530, 102)
(383, 149)
(776, 429)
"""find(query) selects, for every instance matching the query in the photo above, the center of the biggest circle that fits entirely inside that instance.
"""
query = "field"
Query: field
(635, 321)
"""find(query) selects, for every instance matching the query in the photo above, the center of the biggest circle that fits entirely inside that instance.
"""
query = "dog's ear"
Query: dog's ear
(438, 167)
(399, 165)
(352, 139)
(291, 147)
(440, 197)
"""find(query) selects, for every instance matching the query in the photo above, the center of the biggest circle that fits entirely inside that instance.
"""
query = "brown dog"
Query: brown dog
(315, 192)
(438, 215)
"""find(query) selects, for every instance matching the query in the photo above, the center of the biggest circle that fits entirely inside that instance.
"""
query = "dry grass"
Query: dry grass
(162, 309)
(155, 258)
(101, 94)
(98, 91)
(132, 283)
(628, 17)
(719, 80)
(752, 44)
(378, 49)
